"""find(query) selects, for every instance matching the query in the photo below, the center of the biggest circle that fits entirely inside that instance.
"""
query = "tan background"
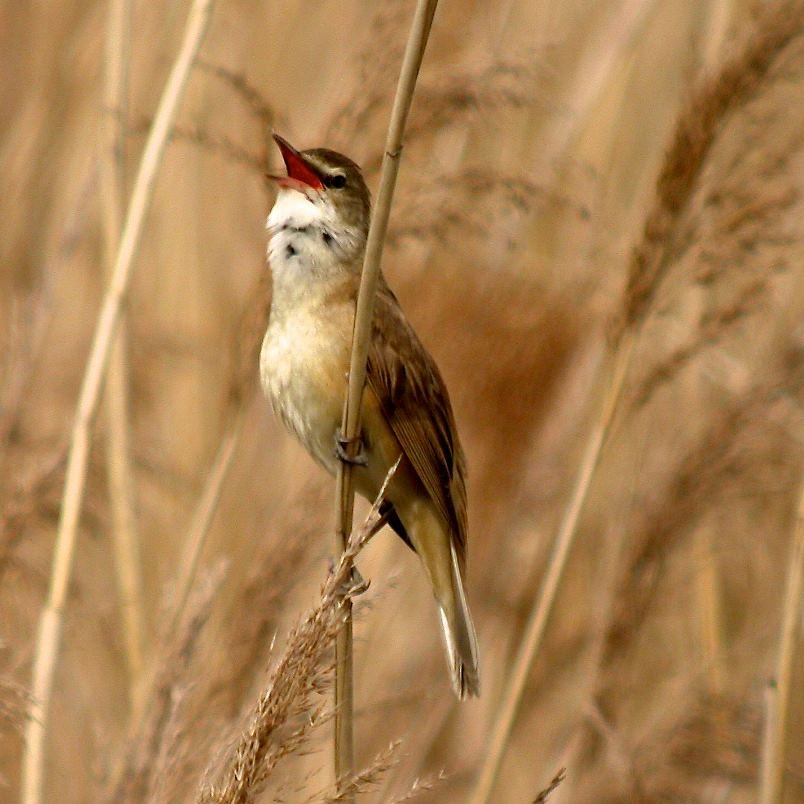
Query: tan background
(535, 140)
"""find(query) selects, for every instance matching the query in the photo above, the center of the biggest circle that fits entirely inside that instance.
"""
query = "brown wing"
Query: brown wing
(415, 403)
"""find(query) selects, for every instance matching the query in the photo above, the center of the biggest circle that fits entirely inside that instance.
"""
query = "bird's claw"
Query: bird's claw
(342, 445)
(355, 584)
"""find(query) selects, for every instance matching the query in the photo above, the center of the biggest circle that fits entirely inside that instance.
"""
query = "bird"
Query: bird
(317, 233)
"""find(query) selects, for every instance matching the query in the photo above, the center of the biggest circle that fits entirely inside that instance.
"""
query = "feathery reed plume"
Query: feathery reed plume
(775, 744)
(297, 677)
(258, 107)
(737, 81)
(362, 781)
(713, 327)
(118, 452)
(419, 786)
(214, 671)
(344, 493)
(50, 625)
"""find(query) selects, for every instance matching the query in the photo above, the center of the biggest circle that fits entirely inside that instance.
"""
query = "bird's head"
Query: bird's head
(334, 186)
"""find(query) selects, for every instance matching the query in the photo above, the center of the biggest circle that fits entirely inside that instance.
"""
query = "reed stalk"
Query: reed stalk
(52, 617)
(779, 695)
(125, 539)
(344, 493)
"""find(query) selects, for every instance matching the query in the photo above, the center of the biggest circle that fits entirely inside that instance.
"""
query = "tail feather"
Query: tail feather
(460, 639)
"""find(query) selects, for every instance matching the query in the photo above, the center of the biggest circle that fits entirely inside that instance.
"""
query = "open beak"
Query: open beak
(301, 174)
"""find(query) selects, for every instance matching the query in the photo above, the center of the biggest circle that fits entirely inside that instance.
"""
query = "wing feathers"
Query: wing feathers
(415, 402)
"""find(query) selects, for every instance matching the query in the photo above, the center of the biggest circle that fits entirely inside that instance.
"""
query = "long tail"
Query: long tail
(460, 639)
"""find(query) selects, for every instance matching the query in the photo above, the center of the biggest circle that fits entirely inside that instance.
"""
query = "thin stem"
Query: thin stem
(535, 629)
(775, 745)
(344, 496)
(121, 495)
(51, 620)
(203, 517)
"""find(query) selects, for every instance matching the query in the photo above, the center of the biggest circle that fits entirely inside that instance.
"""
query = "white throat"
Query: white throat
(306, 234)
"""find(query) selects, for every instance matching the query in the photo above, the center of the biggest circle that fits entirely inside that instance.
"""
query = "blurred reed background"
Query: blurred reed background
(536, 137)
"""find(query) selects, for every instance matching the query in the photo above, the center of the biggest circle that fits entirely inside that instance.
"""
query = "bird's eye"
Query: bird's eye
(338, 181)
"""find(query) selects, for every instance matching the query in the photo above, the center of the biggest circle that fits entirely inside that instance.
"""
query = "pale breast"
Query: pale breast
(303, 366)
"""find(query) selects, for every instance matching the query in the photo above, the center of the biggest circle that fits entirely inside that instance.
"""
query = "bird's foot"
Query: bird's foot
(342, 445)
(355, 584)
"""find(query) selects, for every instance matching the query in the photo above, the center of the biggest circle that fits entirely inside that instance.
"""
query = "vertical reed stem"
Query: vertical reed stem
(774, 748)
(52, 617)
(121, 495)
(344, 494)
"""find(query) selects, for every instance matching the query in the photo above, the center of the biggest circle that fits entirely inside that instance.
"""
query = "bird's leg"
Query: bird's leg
(342, 445)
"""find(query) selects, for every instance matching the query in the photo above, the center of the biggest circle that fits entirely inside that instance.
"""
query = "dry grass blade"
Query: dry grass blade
(344, 494)
(774, 749)
(50, 625)
(297, 677)
(695, 131)
(121, 493)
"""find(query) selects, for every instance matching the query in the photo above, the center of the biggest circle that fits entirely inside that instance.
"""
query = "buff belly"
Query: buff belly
(303, 371)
